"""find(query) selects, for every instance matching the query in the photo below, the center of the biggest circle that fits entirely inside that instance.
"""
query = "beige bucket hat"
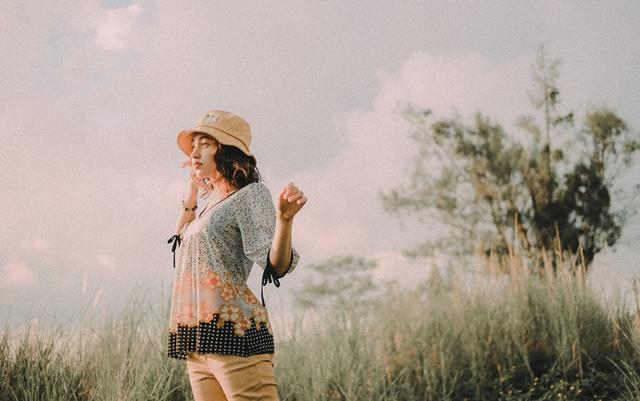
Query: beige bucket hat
(227, 128)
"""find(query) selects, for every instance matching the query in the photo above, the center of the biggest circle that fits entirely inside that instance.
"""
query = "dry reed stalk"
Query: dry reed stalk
(636, 319)
(548, 268)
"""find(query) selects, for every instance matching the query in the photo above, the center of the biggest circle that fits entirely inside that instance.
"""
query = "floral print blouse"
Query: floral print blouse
(212, 309)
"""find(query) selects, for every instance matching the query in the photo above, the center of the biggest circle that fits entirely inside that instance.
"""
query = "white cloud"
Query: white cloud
(105, 260)
(114, 26)
(16, 272)
(343, 212)
(467, 83)
(35, 244)
(393, 266)
(161, 192)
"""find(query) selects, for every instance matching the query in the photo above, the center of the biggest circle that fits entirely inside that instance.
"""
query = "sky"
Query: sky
(93, 94)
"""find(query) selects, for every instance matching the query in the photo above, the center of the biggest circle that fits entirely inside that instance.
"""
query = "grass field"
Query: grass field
(496, 336)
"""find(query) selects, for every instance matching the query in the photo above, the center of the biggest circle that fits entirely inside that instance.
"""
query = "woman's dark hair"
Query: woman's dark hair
(235, 166)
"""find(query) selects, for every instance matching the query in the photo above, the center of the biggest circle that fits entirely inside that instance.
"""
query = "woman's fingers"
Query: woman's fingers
(291, 194)
(289, 190)
(294, 196)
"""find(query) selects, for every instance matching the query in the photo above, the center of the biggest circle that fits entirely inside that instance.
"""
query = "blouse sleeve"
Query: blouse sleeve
(256, 218)
(183, 229)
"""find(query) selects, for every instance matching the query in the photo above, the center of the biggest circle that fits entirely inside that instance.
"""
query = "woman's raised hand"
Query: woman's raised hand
(194, 181)
(290, 201)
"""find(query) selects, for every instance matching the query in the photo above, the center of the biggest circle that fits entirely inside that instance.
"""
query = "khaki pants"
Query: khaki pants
(219, 377)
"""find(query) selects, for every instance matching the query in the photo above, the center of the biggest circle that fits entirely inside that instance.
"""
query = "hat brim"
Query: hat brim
(186, 136)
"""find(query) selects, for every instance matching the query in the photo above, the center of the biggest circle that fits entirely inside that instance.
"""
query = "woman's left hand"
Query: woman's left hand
(290, 201)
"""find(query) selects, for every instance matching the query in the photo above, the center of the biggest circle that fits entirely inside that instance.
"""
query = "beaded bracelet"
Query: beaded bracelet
(189, 209)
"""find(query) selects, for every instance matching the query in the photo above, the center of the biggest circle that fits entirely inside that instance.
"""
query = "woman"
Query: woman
(216, 322)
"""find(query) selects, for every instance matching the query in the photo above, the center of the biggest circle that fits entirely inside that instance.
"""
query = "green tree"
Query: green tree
(554, 184)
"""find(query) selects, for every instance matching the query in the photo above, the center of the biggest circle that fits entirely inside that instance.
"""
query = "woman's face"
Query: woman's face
(204, 147)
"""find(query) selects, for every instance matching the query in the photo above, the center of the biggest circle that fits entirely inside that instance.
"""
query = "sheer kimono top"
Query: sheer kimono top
(212, 309)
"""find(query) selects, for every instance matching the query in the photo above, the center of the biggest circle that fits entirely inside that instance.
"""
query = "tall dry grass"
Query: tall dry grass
(525, 335)
(537, 333)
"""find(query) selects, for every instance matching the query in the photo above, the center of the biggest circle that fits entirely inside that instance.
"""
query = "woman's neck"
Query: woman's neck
(222, 189)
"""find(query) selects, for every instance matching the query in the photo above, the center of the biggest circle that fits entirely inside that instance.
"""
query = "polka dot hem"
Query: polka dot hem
(207, 338)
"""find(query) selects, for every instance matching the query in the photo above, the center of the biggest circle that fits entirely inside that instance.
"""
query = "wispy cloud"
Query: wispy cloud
(105, 260)
(16, 272)
(392, 266)
(465, 83)
(114, 26)
(344, 213)
(35, 244)
(159, 191)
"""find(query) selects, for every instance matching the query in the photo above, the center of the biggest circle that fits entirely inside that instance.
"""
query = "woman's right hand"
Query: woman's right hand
(194, 182)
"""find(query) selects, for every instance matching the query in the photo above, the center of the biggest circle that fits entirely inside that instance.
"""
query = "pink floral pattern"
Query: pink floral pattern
(229, 292)
(212, 281)
(236, 299)
(241, 325)
(249, 298)
(260, 317)
(232, 313)
(185, 316)
(205, 313)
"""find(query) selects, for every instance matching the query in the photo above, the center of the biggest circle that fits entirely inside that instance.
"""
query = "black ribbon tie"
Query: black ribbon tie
(176, 243)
